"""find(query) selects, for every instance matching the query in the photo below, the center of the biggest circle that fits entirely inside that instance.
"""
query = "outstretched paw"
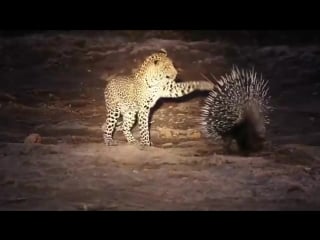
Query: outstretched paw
(207, 86)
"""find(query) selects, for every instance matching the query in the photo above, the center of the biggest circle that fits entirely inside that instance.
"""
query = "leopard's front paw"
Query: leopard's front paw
(207, 86)
(144, 144)
(133, 142)
(111, 142)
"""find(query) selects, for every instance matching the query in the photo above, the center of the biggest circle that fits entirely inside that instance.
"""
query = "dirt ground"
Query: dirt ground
(52, 85)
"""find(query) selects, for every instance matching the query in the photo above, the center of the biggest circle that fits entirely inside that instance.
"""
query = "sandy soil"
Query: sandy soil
(52, 85)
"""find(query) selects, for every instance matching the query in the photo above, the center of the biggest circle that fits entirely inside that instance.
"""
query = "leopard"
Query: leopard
(134, 94)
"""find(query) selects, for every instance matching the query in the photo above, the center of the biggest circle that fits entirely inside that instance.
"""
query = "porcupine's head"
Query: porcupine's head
(237, 108)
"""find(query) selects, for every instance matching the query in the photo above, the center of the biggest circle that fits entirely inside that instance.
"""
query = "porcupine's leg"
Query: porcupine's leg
(175, 90)
(227, 142)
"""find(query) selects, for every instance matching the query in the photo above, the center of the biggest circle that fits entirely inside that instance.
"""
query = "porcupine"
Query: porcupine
(238, 109)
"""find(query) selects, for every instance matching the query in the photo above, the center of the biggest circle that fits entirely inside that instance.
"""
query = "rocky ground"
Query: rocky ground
(52, 85)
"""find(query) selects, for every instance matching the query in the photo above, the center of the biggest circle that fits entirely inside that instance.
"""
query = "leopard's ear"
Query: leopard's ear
(162, 50)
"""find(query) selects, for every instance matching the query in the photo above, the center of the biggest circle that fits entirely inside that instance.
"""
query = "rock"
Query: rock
(179, 133)
(194, 134)
(165, 132)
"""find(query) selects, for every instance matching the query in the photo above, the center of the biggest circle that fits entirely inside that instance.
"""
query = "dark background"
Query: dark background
(261, 36)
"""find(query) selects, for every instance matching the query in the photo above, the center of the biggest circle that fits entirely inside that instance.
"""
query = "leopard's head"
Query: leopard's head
(158, 68)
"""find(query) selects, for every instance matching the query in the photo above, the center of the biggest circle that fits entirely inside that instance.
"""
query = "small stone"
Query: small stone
(33, 138)
(307, 169)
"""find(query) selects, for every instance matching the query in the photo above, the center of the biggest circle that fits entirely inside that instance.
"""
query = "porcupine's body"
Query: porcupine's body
(237, 109)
